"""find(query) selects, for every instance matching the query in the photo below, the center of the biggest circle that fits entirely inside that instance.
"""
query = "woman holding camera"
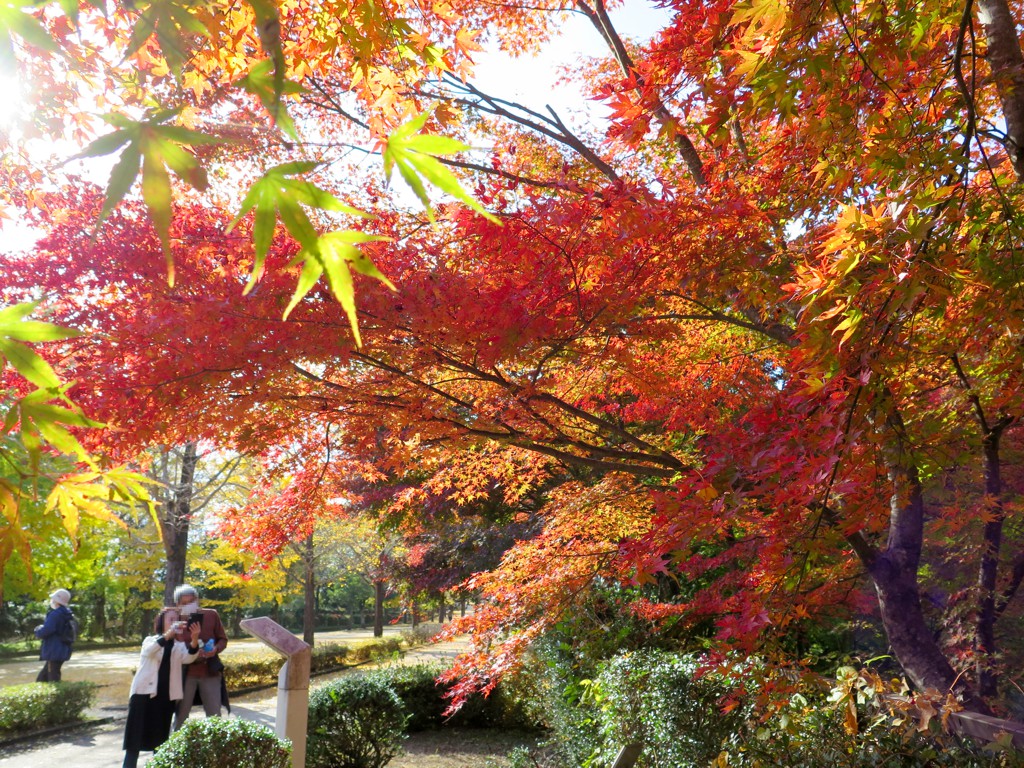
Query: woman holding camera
(157, 685)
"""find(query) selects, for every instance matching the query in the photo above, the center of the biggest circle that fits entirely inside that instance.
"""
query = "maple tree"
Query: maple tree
(310, 506)
(767, 320)
(38, 422)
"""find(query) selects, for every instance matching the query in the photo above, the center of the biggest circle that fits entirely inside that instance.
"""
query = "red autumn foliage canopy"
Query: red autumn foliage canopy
(765, 327)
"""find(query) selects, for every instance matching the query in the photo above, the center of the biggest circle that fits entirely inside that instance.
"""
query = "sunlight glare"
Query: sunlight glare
(13, 104)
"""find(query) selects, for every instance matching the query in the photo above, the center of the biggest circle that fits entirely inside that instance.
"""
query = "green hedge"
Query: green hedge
(427, 700)
(376, 650)
(357, 721)
(420, 635)
(743, 714)
(259, 668)
(39, 705)
(223, 742)
(251, 670)
(415, 686)
(328, 656)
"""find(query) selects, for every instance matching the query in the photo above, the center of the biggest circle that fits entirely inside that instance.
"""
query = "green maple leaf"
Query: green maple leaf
(17, 22)
(278, 195)
(158, 149)
(14, 329)
(415, 155)
(336, 255)
(266, 83)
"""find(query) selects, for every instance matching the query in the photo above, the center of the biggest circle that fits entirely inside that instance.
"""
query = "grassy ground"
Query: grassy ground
(462, 748)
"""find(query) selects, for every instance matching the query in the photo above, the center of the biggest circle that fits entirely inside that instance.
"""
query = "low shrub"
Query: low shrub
(329, 656)
(420, 634)
(223, 742)
(854, 725)
(377, 649)
(419, 692)
(427, 700)
(15, 647)
(354, 722)
(516, 703)
(40, 705)
(250, 670)
(665, 702)
(749, 715)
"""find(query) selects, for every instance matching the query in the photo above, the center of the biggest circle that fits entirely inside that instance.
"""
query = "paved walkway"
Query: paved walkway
(99, 746)
(112, 668)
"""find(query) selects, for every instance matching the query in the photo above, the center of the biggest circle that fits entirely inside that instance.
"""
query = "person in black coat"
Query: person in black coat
(55, 650)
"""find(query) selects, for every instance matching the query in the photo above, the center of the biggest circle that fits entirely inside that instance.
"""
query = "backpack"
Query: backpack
(70, 631)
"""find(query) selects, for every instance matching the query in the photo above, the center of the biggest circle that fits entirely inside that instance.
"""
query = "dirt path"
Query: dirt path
(462, 748)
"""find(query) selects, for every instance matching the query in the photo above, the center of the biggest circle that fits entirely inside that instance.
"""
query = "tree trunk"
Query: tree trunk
(1007, 64)
(909, 635)
(894, 573)
(985, 639)
(175, 523)
(378, 608)
(309, 607)
(145, 615)
(99, 614)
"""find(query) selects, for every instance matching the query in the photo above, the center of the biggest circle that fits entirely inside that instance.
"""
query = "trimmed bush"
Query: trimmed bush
(419, 635)
(427, 700)
(377, 649)
(250, 670)
(355, 722)
(329, 656)
(39, 705)
(220, 742)
(662, 700)
(422, 697)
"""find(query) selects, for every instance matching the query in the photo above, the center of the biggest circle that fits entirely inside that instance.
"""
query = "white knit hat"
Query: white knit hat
(61, 596)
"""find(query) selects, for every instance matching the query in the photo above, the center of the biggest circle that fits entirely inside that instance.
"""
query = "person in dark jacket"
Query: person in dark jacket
(204, 678)
(54, 650)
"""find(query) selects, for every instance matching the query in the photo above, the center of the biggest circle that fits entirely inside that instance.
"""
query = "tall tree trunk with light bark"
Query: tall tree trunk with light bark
(1004, 57)
(175, 518)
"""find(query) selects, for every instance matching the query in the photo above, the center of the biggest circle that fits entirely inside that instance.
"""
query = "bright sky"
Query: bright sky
(531, 81)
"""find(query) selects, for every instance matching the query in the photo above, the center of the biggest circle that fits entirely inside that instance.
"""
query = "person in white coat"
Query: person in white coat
(157, 685)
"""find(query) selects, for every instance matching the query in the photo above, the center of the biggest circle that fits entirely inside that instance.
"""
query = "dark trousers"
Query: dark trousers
(131, 760)
(50, 673)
